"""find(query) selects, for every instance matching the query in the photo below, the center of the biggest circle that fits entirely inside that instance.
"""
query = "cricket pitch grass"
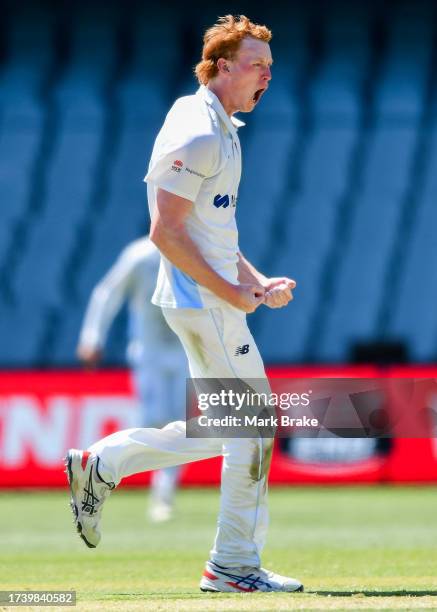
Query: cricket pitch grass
(356, 548)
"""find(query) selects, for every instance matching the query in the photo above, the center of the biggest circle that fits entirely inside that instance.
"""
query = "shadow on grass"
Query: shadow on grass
(373, 593)
(199, 595)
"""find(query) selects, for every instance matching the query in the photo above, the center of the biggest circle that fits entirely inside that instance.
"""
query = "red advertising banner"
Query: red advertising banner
(42, 414)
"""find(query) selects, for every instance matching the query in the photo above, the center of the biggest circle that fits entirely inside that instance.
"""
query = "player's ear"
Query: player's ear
(223, 65)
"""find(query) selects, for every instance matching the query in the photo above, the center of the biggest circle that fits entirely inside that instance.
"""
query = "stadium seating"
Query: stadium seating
(22, 83)
(362, 270)
(310, 223)
(413, 317)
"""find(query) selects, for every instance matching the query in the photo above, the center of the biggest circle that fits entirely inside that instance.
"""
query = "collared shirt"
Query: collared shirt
(197, 156)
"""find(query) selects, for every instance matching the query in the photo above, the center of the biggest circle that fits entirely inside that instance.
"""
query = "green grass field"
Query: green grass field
(354, 548)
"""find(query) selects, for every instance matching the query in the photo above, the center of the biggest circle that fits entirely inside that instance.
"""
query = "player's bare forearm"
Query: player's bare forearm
(247, 273)
(176, 245)
(168, 232)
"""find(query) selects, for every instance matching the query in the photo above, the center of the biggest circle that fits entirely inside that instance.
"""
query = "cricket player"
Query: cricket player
(158, 362)
(205, 288)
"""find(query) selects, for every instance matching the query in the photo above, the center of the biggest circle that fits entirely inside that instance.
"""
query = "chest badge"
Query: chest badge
(221, 201)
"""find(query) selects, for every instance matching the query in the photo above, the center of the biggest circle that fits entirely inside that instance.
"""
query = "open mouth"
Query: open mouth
(257, 95)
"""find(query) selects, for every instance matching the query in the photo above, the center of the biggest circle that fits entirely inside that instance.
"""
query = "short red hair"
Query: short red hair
(223, 40)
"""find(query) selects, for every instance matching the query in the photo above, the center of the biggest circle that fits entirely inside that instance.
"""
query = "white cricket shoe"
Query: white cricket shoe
(88, 493)
(160, 512)
(245, 580)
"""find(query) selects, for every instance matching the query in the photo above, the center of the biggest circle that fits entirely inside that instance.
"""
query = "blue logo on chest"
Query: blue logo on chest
(220, 200)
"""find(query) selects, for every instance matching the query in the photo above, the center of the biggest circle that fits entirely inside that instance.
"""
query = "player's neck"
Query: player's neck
(225, 99)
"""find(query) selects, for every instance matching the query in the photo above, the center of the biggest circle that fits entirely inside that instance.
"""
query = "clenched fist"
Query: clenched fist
(279, 292)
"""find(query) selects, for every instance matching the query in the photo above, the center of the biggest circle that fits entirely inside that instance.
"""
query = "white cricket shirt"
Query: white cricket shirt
(197, 156)
(132, 279)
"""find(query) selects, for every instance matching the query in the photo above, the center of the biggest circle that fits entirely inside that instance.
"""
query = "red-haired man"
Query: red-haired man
(205, 288)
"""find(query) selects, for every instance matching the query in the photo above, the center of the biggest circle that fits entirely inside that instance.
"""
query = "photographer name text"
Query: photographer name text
(256, 421)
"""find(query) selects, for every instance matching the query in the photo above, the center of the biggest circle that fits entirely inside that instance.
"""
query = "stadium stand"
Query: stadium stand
(412, 316)
(352, 314)
(22, 82)
(308, 209)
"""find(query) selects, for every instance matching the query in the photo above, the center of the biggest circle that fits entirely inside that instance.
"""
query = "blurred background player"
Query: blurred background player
(154, 352)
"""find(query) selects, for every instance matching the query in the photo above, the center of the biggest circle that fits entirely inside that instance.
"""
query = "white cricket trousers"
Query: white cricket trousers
(160, 379)
(210, 338)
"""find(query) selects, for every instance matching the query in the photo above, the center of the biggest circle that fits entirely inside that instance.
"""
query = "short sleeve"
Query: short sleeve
(181, 169)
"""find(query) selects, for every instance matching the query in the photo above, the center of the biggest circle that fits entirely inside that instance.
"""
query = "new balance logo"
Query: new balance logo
(221, 201)
(242, 350)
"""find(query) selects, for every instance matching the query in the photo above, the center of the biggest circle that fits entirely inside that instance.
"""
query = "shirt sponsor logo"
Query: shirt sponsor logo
(177, 165)
(221, 201)
(191, 171)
